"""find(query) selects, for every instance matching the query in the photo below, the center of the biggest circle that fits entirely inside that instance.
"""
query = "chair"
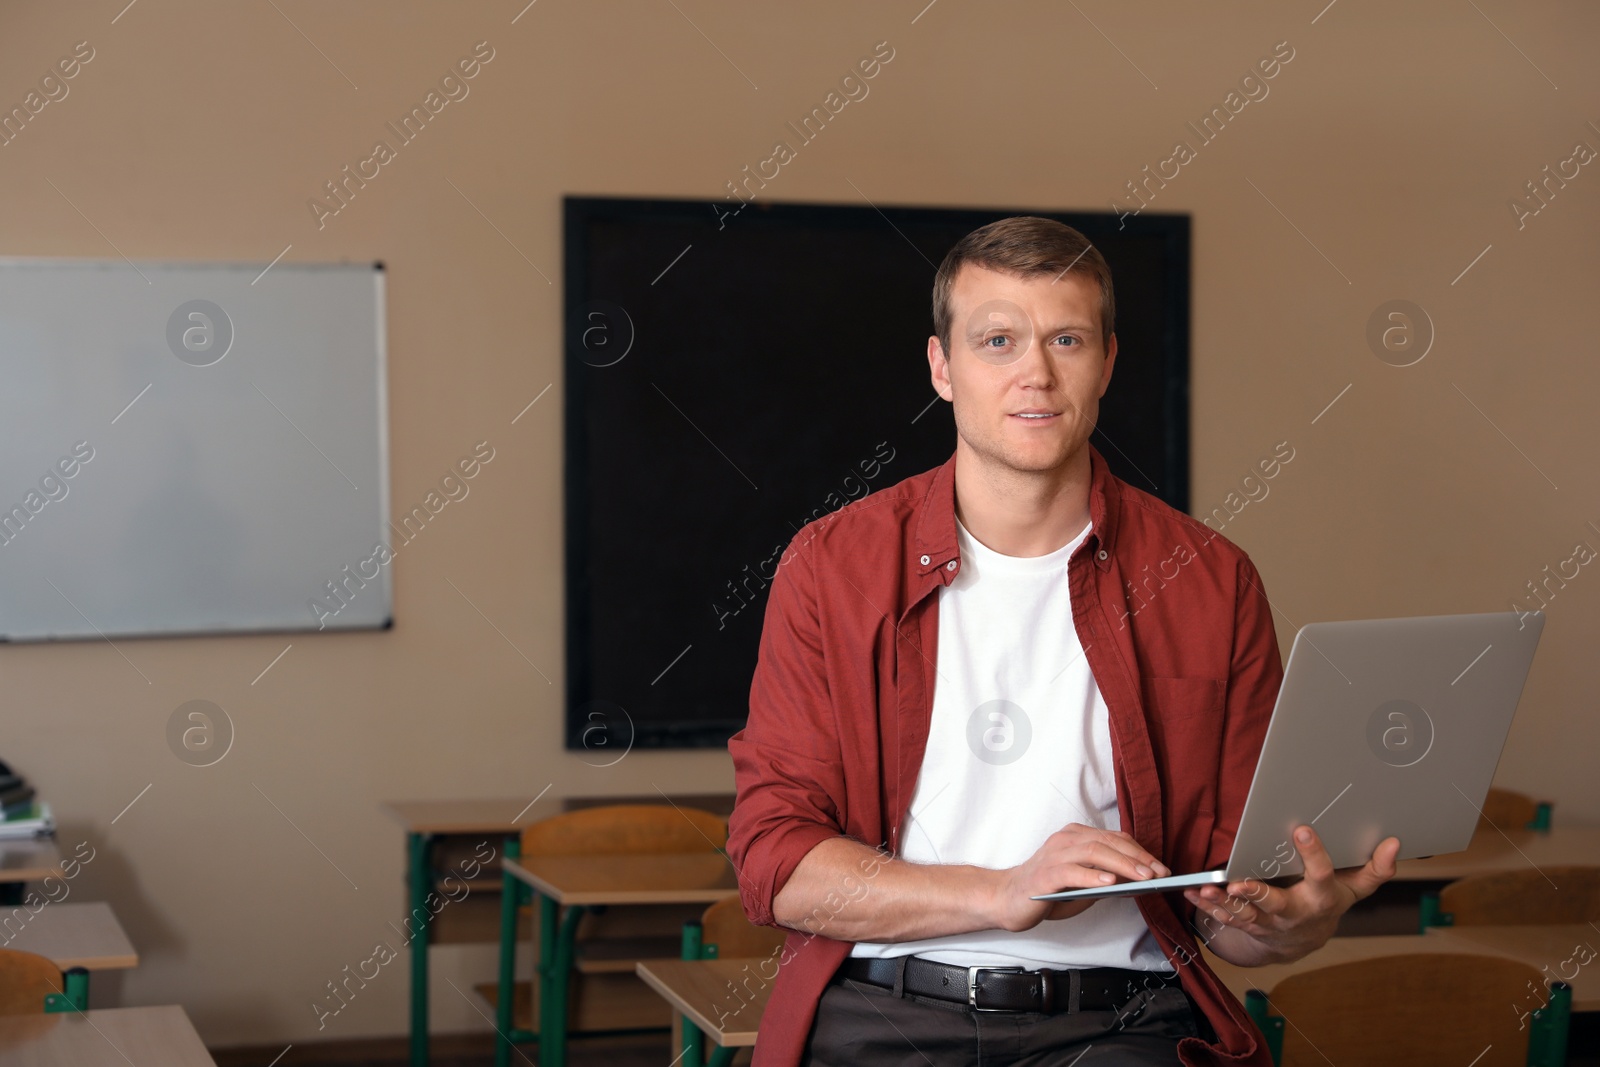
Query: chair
(29, 984)
(723, 932)
(625, 828)
(1514, 811)
(607, 830)
(1416, 1008)
(1540, 897)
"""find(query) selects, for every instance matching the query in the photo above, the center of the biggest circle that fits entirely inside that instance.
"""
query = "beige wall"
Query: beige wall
(1393, 140)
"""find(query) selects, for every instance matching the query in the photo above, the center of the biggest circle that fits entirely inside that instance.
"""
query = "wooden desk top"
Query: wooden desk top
(660, 878)
(503, 816)
(1552, 949)
(469, 816)
(32, 860)
(106, 1037)
(700, 990)
(76, 935)
(1540, 946)
(1493, 851)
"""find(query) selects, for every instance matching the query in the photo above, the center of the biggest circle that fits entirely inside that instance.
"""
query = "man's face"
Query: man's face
(1021, 347)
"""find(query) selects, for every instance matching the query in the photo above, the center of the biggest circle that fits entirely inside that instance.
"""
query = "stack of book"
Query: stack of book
(22, 815)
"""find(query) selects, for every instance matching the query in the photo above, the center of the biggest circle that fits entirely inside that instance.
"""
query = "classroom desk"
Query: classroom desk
(424, 820)
(1540, 946)
(700, 989)
(1492, 851)
(1549, 948)
(1396, 908)
(107, 1037)
(78, 938)
(29, 860)
(575, 883)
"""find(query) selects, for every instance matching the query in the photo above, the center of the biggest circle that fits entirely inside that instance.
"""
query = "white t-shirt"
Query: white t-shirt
(1019, 746)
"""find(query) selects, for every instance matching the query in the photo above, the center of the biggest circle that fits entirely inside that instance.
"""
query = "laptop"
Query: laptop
(1382, 728)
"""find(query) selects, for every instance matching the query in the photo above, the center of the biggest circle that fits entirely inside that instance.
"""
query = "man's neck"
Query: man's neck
(1022, 513)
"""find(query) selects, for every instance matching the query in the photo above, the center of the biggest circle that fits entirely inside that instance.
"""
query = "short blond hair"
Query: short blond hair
(1027, 245)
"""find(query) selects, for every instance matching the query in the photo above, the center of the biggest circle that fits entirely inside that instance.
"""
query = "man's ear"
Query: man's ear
(939, 367)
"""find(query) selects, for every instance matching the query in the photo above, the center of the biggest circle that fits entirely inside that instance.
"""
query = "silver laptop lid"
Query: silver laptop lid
(1385, 727)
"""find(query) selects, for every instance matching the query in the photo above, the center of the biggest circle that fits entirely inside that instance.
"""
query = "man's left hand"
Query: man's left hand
(1257, 923)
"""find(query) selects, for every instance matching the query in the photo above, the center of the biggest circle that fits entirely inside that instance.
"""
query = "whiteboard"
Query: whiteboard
(191, 449)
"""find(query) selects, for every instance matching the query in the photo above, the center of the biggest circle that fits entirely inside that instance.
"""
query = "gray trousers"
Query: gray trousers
(861, 1025)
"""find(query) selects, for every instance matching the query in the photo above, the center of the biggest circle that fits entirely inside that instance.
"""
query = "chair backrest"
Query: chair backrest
(1511, 811)
(736, 937)
(1524, 898)
(626, 828)
(1415, 1008)
(25, 980)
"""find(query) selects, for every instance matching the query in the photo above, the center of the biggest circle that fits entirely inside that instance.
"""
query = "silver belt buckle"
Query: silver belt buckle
(972, 985)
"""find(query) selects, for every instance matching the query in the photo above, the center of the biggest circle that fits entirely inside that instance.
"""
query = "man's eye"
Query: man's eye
(1002, 338)
(1068, 338)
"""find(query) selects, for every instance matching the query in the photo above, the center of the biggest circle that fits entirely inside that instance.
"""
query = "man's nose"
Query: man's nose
(1033, 363)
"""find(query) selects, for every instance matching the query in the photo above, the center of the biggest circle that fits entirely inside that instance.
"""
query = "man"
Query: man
(1009, 675)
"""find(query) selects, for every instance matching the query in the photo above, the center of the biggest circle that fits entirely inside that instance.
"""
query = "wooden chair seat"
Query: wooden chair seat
(25, 980)
(1545, 896)
(1417, 1008)
(724, 925)
(626, 828)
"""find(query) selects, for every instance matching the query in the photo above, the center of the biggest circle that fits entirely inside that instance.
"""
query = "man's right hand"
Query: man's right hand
(844, 890)
(1074, 857)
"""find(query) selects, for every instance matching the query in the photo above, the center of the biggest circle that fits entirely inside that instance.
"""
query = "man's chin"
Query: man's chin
(1039, 457)
(1036, 461)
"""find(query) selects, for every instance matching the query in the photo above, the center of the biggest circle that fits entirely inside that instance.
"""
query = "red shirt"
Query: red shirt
(1177, 630)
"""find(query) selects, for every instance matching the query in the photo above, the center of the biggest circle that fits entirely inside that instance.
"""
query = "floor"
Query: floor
(634, 1050)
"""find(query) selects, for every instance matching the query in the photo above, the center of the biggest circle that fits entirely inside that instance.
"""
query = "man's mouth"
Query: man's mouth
(1036, 416)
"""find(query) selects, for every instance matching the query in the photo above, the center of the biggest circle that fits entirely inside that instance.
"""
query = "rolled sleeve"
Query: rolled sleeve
(788, 770)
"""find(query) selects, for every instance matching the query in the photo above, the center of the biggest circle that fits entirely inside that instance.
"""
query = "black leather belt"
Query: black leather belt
(1008, 988)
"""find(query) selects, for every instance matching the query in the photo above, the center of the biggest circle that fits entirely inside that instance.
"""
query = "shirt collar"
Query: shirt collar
(934, 535)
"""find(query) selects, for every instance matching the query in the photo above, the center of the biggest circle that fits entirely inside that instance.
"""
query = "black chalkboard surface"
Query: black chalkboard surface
(732, 375)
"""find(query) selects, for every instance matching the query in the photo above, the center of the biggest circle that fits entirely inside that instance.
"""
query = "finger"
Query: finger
(1129, 846)
(1107, 857)
(1318, 864)
(1235, 912)
(1265, 899)
(1101, 850)
(1139, 854)
(1364, 881)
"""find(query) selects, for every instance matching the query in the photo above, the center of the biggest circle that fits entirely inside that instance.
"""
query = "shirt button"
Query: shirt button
(1101, 554)
(924, 561)
(950, 566)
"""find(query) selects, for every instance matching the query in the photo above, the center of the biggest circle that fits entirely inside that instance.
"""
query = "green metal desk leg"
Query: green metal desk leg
(722, 1056)
(417, 882)
(504, 1009)
(1271, 1026)
(74, 995)
(693, 1052)
(549, 912)
(553, 1027)
(77, 987)
(1430, 915)
(1547, 1042)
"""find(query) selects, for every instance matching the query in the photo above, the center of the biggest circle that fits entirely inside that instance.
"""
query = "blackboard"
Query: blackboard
(730, 376)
